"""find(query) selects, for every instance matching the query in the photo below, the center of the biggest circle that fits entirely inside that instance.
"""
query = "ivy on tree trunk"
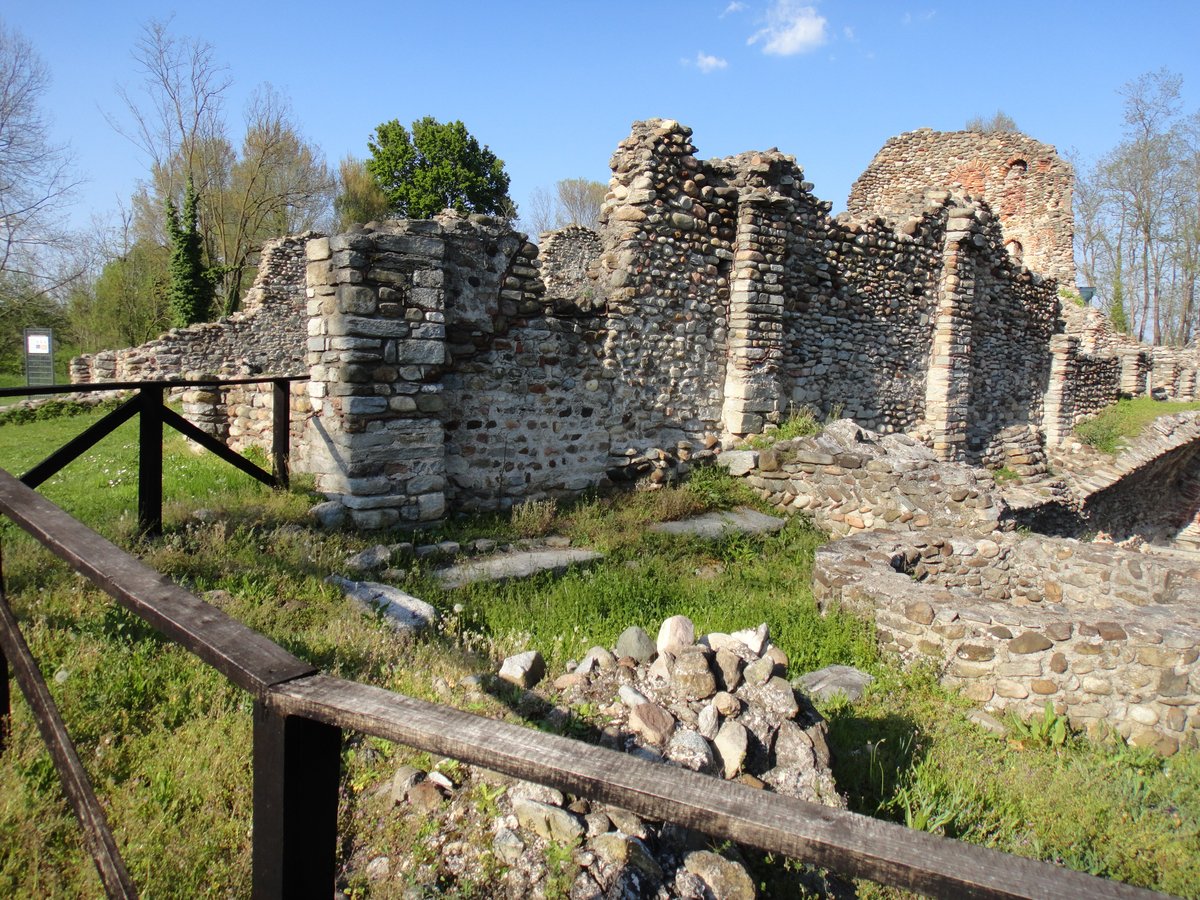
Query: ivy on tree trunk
(190, 293)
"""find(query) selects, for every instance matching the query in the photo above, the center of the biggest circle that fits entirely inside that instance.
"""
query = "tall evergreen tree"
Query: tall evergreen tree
(191, 290)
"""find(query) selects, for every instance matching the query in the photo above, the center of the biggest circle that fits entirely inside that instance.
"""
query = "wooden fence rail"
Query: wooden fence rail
(147, 403)
(299, 715)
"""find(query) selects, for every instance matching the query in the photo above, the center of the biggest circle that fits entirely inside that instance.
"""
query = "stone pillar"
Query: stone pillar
(1058, 407)
(1187, 385)
(375, 350)
(948, 384)
(79, 369)
(1135, 365)
(205, 407)
(755, 343)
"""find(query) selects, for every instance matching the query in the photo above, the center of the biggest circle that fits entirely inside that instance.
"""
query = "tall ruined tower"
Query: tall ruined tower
(1025, 182)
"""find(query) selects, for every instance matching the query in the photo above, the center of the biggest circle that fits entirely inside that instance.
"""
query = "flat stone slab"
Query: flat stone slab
(515, 565)
(825, 683)
(402, 612)
(714, 525)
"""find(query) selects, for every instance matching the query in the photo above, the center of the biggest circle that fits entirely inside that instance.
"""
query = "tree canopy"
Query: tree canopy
(359, 198)
(1137, 216)
(1000, 123)
(275, 183)
(440, 165)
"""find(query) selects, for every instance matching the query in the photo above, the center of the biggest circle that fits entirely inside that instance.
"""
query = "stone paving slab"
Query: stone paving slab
(402, 611)
(715, 525)
(515, 565)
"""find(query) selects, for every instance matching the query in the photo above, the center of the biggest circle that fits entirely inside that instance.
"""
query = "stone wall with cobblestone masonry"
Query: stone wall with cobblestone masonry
(264, 336)
(527, 407)
(1025, 182)
(848, 480)
(1108, 637)
(717, 295)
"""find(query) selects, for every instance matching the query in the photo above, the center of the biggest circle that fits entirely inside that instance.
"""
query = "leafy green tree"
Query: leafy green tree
(24, 304)
(440, 165)
(359, 198)
(127, 303)
(190, 292)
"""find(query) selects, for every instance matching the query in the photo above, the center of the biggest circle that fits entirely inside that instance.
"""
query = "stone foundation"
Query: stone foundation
(850, 480)
(1109, 637)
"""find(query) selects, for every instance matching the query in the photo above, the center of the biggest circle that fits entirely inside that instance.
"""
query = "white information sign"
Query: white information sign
(38, 343)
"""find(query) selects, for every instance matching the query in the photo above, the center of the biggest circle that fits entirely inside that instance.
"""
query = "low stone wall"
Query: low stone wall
(1145, 490)
(1109, 637)
(850, 480)
(267, 335)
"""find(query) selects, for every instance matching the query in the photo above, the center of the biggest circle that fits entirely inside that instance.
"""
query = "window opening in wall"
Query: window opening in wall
(1015, 250)
(1016, 168)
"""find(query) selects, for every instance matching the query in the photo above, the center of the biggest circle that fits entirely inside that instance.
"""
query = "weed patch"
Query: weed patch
(1114, 426)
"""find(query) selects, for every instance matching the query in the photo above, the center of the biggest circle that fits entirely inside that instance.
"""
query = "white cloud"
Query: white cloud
(791, 29)
(848, 31)
(734, 7)
(707, 63)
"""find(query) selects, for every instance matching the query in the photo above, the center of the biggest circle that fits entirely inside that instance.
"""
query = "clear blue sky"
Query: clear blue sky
(552, 87)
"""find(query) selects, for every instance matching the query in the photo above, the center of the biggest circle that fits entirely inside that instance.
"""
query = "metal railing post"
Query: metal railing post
(296, 769)
(150, 460)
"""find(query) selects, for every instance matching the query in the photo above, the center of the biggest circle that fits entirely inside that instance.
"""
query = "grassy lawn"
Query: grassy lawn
(167, 741)
(1114, 426)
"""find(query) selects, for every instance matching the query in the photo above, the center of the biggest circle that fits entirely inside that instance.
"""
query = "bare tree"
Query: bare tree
(178, 114)
(1000, 122)
(1138, 215)
(541, 212)
(359, 198)
(277, 183)
(35, 182)
(580, 201)
(575, 201)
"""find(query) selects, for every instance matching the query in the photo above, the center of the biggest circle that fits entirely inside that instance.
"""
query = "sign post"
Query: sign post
(39, 356)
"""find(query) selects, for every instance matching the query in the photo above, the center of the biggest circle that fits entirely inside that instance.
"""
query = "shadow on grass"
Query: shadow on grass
(871, 755)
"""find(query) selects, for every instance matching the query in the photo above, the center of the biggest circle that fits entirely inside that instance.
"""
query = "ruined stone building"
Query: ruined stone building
(454, 364)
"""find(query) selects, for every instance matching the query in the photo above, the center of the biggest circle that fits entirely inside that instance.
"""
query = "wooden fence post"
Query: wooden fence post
(296, 769)
(281, 429)
(150, 460)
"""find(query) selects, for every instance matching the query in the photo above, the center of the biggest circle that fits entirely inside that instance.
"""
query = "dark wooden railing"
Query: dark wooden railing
(299, 715)
(147, 402)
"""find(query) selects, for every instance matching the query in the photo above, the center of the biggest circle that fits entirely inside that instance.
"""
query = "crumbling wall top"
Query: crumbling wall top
(1025, 182)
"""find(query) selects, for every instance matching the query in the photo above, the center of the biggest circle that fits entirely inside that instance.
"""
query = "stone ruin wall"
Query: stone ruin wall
(1023, 181)
(716, 296)
(1109, 637)
(830, 313)
(261, 337)
(849, 480)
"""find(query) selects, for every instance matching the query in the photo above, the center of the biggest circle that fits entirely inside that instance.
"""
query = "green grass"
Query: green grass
(1116, 425)
(166, 740)
(907, 752)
